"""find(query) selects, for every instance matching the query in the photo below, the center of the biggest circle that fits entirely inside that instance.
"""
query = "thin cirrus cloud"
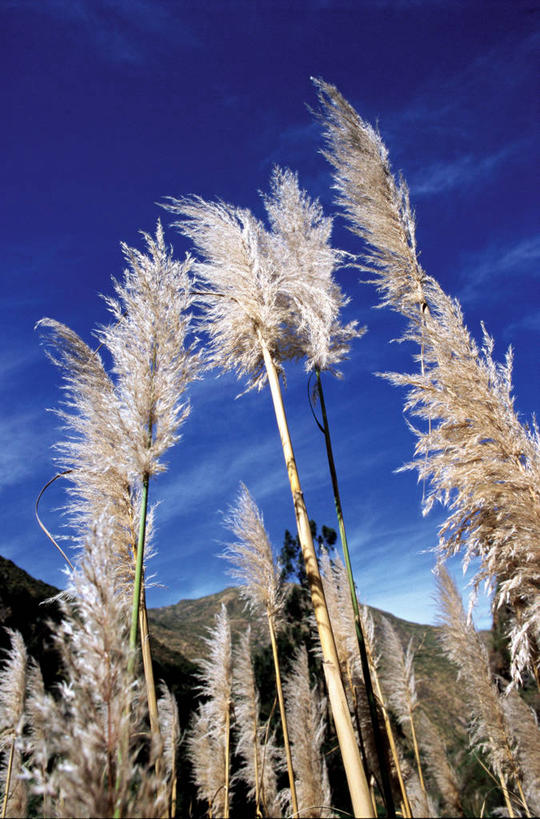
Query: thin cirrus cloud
(121, 30)
(463, 171)
(499, 264)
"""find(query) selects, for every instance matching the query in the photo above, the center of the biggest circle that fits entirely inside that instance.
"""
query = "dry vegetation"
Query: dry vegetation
(355, 731)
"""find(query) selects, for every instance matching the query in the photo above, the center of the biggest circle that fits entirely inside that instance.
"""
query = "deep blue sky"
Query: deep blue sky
(108, 107)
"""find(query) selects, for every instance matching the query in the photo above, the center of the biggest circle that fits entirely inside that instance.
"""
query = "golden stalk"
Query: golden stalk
(8, 777)
(227, 761)
(417, 754)
(147, 665)
(356, 777)
(281, 701)
(407, 812)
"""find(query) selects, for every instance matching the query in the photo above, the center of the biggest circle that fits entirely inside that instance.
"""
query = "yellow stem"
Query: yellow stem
(407, 812)
(417, 754)
(147, 665)
(506, 795)
(281, 701)
(227, 755)
(354, 771)
(8, 777)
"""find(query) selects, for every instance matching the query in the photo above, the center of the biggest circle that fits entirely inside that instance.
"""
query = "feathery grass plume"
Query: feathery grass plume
(261, 759)
(92, 454)
(398, 679)
(97, 725)
(244, 289)
(300, 243)
(252, 558)
(336, 590)
(122, 425)
(13, 790)
(170, 731)
(307, 722)
(479, 459)
(254, 565)
(210, 736)
(248, 319)
(207, 760)
(439, 765)
(489, 730)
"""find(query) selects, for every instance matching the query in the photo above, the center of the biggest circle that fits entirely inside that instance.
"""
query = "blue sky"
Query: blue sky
(110, 106)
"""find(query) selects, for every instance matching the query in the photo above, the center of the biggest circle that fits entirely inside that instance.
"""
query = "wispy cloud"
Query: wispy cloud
(461, 172)
(123, 31)
(22, 436)
(500, 264)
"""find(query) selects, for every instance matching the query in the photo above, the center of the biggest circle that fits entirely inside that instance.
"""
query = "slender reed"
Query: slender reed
(248, 316)
(254, 565)
(475, 454)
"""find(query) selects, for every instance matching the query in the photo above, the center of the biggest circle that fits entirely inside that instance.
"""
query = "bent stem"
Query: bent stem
(354, 771)
(284, 725)
(377, 736)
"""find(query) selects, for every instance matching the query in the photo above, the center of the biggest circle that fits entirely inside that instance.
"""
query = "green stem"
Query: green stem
(138, 575)
(379, 745)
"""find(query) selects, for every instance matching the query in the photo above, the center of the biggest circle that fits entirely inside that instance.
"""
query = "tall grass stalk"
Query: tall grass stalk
(366, 674)
(475, 454)
(249, 316)
(356, 777)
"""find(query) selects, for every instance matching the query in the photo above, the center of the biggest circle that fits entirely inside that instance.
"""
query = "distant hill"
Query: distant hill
(23, 607)
(184, 627)
(178, 640)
